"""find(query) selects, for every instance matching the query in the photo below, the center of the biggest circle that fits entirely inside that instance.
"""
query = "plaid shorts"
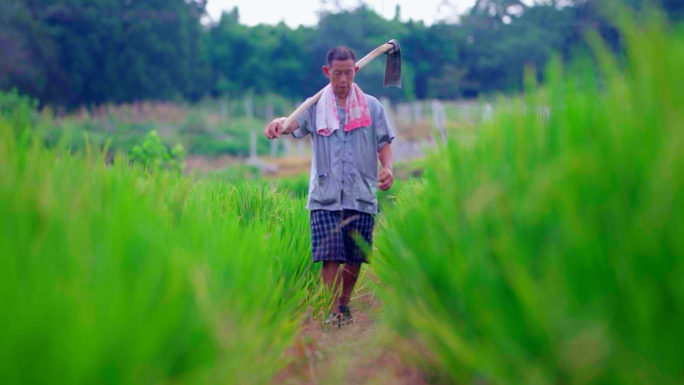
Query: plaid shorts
(333, 233)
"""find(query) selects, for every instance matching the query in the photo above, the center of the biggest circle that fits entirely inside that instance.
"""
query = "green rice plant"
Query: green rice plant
(297, 186)
(548, 249)
(18, 109)
(153, 155)
(111, 274)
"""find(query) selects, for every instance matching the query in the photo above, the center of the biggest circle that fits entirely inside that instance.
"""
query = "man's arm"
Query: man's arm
(386, 178)
(275, 128)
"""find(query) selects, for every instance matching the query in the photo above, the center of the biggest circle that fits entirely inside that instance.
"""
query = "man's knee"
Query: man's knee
(331, 265)
(330, 270)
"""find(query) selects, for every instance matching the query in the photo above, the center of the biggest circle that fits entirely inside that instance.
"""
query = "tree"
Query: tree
(75, 52)
(29, 60)
(114, 50)
(261, 59)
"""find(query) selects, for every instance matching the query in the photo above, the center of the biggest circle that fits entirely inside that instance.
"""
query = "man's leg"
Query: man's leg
(327, 247)
(350, 273)
(331, 278)
(360, 224)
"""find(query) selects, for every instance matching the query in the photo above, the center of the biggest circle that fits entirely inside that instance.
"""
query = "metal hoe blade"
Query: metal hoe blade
(393, 66)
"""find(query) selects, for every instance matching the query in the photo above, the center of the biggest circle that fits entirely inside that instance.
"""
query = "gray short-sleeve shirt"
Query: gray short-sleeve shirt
(344, 167)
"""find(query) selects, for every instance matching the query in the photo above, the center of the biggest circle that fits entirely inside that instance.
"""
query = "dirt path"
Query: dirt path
(358, 353)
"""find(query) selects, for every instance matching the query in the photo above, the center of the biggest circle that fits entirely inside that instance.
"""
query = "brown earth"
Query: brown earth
(207, 163)
(285, 166)
(364, 352)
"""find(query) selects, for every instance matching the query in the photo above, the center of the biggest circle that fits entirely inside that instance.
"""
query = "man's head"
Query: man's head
(340, 68)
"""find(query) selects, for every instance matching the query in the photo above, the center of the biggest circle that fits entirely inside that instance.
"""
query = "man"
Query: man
(349, 132)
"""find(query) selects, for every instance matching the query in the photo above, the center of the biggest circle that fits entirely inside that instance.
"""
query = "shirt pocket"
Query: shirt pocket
(325, 190)
(366, 190)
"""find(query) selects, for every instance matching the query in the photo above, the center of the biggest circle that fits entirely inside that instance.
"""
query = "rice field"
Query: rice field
(548, 248)
(115, 275)
(542, 246)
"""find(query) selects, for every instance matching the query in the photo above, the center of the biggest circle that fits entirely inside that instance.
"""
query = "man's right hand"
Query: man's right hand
(275, 128)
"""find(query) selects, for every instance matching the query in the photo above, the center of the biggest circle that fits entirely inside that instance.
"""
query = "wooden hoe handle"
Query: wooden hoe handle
(383, 49)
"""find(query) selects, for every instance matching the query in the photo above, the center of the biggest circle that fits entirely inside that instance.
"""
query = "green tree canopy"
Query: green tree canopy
(76, 52)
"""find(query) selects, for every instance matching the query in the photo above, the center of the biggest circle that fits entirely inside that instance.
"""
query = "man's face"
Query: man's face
(341, 74)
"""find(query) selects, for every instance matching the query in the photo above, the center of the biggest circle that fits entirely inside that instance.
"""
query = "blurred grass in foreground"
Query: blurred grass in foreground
(548, 249)
(113, 275)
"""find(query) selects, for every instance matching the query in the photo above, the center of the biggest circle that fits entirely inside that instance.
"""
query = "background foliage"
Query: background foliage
(76, 52)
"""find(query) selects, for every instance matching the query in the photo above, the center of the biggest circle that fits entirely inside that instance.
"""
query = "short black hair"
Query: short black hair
(339, 53)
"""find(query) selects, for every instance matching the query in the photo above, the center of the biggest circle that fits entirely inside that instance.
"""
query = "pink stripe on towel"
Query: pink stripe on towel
(356, 111)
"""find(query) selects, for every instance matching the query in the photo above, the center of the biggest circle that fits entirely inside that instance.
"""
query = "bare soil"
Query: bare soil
(359, 353)
(206, 163)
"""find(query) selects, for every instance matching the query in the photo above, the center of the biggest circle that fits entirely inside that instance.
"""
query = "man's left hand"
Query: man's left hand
(385, 179)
